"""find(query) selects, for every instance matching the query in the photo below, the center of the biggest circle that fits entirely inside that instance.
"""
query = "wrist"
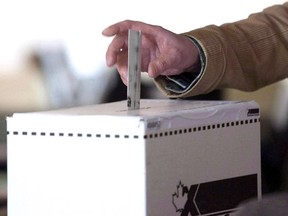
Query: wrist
(199, 59)
(179, 84)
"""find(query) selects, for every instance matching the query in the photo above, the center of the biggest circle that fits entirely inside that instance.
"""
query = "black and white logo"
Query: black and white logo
(219, 197)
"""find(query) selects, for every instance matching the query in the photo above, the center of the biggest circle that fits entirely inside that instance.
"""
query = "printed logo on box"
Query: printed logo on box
(219, 197)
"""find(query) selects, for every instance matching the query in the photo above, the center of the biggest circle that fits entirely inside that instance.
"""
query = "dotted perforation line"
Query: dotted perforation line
(201, 128)
(89, 135)
(147, 136)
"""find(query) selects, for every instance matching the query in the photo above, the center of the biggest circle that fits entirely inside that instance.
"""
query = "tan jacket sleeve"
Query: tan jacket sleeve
(245, 55)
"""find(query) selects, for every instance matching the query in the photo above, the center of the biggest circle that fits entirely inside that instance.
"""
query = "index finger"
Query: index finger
(118, 28)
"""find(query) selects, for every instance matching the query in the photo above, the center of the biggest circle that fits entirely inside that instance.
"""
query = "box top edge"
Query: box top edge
(148, 108)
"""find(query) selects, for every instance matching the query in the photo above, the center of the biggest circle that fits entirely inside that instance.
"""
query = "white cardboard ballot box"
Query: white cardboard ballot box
(169, 158)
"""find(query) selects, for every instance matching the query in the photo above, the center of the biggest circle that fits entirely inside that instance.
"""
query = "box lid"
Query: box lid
(152, 115)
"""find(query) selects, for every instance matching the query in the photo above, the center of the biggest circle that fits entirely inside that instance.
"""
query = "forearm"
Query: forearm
(245, 55)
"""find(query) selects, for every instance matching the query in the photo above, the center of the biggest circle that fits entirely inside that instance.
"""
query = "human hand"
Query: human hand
(163, 52)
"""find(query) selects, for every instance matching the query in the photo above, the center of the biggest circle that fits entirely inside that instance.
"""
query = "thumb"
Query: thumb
(157, 67)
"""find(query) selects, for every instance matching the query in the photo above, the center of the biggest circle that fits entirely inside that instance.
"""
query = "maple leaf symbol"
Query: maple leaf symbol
(179, 198)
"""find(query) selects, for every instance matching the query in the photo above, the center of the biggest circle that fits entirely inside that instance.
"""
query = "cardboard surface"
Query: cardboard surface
(170, 157)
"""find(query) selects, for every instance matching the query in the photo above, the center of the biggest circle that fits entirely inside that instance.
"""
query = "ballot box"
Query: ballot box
(168, 158)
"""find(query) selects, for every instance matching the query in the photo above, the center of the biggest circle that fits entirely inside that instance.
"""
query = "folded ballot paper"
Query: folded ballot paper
(167, 158)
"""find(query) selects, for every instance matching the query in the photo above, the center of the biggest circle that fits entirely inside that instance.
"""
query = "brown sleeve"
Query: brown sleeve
(245, 55)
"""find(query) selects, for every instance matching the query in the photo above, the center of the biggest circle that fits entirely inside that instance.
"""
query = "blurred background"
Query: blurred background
(52, 55)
